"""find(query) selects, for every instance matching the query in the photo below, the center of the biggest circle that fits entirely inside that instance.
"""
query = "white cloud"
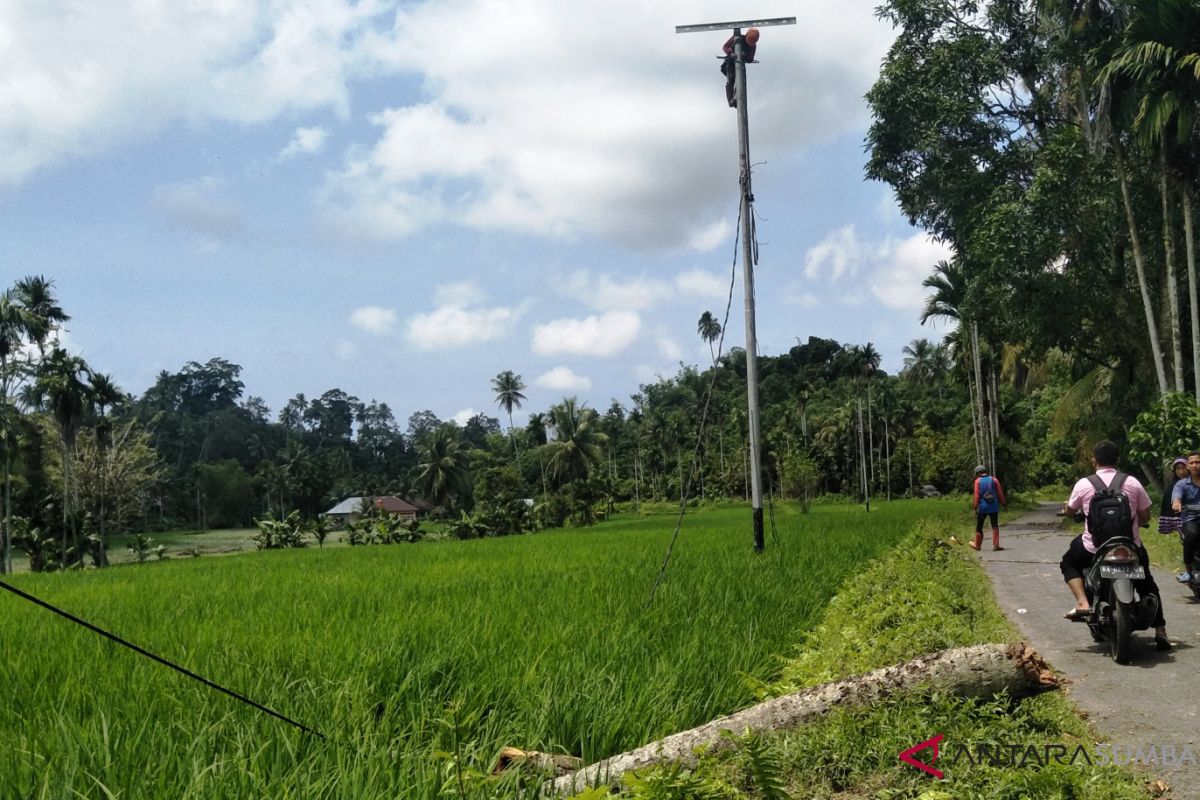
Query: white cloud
(709, 238)
(455, 325)
(892, 269)
(634, 148)
(462, 293)
(668, 348)
(197, 206)
(345, 350)
(606, 293)
(641, 293)
(306, 141)
(81, 78)
(839, 254)
(897, 282)
(700, 284)
(603, 336)
(563, 379)
(798, 296)
(464, 416)
(374, 320)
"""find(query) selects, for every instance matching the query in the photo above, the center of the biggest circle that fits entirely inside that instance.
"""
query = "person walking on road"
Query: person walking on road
(1184, 497)
(986, 501)
(1169, 520)
(1078, 558)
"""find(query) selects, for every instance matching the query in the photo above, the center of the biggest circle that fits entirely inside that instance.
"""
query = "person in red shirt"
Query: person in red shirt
(986, 501)
(749, 46)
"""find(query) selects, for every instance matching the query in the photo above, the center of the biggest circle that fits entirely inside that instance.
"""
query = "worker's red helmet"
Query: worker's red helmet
(752, 36)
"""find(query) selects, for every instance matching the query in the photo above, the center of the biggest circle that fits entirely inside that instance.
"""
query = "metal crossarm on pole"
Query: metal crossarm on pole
(748, 251)
(745, 23)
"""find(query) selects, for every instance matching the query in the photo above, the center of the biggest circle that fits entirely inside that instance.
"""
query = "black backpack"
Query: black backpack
(1109, 513)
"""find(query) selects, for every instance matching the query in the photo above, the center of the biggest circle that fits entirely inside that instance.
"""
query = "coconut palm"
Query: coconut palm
(949, 284)
(507, 387)
(1160, 54)
(442, 471)
(709, 330)
(36, 295)
(15, 323)
(918, 358)
(578, 442)
(61, 389)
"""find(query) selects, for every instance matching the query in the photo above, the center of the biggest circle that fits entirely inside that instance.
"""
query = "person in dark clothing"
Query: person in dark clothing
(1169, 520)
(728, 65)
(1187, 493)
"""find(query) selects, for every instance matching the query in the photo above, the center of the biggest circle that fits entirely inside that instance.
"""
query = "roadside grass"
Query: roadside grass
(924, 596)
(417, 661)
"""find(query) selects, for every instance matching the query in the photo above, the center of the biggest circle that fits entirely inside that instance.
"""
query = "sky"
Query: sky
(403, 199)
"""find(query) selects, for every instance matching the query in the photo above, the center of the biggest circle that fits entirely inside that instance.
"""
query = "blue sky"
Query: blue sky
(402, 200)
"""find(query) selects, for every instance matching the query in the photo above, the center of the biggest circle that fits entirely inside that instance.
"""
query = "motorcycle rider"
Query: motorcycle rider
(1078, 558)
(1187, 493)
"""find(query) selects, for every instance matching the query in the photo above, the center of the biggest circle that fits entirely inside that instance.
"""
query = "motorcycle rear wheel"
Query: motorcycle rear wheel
(1120, 643)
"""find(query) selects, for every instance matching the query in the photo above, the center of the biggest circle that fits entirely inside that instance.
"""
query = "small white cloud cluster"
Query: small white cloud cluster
(892, 269)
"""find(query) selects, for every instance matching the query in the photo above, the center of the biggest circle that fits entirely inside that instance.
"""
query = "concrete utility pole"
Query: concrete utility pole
(743, 119)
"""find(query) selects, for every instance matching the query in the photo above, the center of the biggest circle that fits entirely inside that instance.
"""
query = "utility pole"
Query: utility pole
(743, 120)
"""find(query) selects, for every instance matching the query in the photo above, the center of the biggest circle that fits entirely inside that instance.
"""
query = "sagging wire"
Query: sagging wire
(159, 659)
(662, 571)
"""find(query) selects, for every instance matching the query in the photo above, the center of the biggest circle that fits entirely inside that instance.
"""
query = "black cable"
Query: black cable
(159, 659)
(662, 570)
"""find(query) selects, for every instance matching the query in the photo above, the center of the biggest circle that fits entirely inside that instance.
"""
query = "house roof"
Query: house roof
(389, 503)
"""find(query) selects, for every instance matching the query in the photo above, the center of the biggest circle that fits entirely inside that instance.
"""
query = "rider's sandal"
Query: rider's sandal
(1162, 644)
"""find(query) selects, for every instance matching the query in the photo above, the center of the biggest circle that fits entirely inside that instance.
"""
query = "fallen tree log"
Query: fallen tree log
(979, 671)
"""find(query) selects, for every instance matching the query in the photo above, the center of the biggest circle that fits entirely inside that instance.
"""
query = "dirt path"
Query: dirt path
(1153, 700)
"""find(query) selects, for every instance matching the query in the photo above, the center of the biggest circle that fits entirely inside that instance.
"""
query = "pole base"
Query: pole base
(758, 530)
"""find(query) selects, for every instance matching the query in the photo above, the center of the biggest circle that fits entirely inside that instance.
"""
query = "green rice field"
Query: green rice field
(418, 662)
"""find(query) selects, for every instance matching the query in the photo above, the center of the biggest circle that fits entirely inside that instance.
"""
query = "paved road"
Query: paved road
(1152, 701)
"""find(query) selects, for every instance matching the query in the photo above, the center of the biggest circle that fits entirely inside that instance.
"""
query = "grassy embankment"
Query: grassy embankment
(927, 595)
(417, 661)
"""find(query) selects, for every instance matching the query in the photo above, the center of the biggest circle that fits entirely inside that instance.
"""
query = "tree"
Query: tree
(36, 295)
(507, 387)
(61, 389)
(577, 444)
(1160, 54)
(710, 330)
(918, 361)
(15, 324)
(443, 470)
(113, 479)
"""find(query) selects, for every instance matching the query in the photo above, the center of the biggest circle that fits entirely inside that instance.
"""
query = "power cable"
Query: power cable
(662, 571)
(159, 659)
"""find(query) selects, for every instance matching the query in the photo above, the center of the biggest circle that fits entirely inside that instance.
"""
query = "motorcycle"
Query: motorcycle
(1194, 568)
(1117, 608)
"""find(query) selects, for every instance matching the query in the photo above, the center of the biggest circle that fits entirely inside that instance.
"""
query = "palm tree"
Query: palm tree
(442, 471)
(104, 393)
(949, 284)
(61, 389)
(918, 358)
(15, 323)
(1160, 54)
(36, 294)
(578, 442)
(507, 387)
(709, 330)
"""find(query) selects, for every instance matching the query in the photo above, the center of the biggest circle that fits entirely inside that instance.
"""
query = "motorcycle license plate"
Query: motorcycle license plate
(1132, 571)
